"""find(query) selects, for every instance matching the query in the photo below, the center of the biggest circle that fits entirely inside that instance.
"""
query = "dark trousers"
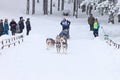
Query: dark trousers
(27, 32)
(13, 32)
(1, 33)
(21, 30)
(91, 27)
(95, 32)
(6, 32)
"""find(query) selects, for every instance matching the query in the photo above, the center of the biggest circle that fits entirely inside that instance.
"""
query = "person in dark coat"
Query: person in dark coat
(13, 25)
(6, 26)
(91, 21)
(21, 24)
(28, 26)
(65, 25)
(1, 27)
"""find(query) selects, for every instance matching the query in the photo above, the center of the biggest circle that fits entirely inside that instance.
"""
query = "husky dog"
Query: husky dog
(50, 42)
(64, 44)
(61, 43)
(58, 44)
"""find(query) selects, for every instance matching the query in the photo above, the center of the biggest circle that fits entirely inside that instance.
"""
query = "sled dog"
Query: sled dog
(64, 44)
(58, 44)
(61, 44)
(50, 43)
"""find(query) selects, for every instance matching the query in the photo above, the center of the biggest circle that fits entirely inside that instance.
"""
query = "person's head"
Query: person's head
(91, 14)
(6, 20)
(64, 18)
(13, 19)
(1, 20)
(21, 18)
(28, 19)
(96, 20)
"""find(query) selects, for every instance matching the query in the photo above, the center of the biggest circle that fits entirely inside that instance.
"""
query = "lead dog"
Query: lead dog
(61, 43)
(64, 44)
(50, 43)
(58, 44)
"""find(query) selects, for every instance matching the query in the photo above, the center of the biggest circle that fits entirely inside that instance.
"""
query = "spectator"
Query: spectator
(6, 26)
(96, 28)
(28, 26)
(21, 24)
(13, 25)
(91, 21)
(1, 27)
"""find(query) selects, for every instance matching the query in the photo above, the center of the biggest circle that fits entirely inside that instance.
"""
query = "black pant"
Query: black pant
(95, 32)
(13, 32)
(1, 33)
(91, 27)
(27, 32)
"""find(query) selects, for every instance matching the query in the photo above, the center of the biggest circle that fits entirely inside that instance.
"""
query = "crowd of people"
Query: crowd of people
(14, 27)
(93, 23)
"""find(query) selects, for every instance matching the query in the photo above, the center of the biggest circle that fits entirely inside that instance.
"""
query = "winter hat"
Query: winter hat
(21, 18)
(28, 19)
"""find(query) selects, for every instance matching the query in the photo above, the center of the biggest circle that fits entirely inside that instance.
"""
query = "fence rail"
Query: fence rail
(111, 42)
(11, 41)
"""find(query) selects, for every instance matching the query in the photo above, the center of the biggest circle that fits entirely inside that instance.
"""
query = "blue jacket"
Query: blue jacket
(65, 33)
(6, 27)
(65, 24)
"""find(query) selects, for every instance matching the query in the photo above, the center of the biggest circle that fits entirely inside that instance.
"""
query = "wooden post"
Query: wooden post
(19, 42)
(2, 43)
(14, 44)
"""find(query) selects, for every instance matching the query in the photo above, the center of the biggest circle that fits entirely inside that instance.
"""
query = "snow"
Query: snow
(88, 58)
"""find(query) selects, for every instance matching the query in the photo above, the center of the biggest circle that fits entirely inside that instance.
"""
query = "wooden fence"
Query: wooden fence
(111, 42)
(11, 41)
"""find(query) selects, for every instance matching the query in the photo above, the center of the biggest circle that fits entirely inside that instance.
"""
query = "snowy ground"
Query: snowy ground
(88, 58)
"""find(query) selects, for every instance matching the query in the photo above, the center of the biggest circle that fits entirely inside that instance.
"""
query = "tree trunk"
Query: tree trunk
(51, 7)
(77, 6)
(79, 1)
(58, 5)
(33, 6)
(28, 7)
(45, 7)
(62, 3)
(38, 1)
(74, 7)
